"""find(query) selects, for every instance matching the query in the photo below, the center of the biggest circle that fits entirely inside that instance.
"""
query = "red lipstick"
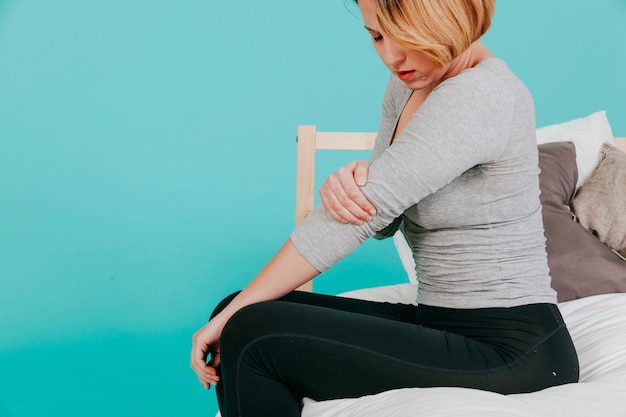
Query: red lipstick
(405, 75)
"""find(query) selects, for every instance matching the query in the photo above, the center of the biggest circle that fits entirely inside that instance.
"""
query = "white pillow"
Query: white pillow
(406, 256)
(587, 133)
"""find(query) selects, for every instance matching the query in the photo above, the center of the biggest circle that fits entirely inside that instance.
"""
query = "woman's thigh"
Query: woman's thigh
(326, 347)
(391, 311)
(325, 353)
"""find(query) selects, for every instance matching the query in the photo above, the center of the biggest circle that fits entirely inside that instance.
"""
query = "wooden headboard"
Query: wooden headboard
(310, 141)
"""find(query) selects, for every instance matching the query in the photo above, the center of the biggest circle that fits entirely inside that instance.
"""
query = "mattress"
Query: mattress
(598, 328)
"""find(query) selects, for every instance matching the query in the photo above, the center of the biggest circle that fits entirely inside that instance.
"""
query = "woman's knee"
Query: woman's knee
(253, 322)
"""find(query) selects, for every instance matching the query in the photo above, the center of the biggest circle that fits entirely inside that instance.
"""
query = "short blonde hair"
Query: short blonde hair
(439, 29)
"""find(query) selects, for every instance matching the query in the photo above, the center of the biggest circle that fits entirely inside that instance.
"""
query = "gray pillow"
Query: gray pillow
(600, 203)
(580, 264)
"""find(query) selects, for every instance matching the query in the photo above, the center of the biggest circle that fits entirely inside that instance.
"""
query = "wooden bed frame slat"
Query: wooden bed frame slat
(310, 141)
(345, 140)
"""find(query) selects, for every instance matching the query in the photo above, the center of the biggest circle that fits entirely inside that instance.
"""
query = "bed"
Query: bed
(583, 196)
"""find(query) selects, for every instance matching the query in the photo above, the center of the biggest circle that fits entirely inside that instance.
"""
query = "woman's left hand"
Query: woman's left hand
(206, 341)
(342, 197)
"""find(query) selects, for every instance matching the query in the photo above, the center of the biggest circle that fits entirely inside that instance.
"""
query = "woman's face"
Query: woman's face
(408, 65)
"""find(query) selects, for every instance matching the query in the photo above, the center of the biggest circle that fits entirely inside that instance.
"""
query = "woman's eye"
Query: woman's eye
(377, 38)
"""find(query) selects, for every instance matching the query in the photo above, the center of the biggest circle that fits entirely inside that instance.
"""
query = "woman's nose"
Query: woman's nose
(393, 54)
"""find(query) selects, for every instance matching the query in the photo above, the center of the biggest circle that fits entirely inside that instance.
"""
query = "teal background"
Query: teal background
(147, 159)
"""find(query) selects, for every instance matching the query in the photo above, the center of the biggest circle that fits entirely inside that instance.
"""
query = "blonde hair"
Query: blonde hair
(439, 29)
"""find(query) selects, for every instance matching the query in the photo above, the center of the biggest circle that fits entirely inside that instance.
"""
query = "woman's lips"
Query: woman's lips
(405, 75)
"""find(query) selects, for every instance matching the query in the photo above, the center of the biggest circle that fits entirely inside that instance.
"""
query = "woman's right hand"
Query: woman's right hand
(342, 197)
(206, 341)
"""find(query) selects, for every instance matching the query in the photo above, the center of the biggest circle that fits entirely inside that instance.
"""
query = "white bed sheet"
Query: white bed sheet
(598, 327)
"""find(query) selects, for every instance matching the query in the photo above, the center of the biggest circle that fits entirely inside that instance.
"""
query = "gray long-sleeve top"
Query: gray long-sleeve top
(463, 179)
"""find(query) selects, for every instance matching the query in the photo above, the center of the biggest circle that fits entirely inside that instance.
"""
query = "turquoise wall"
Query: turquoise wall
(147, 170)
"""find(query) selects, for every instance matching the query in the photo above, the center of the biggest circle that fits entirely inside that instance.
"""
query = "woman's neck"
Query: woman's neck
(472, 56)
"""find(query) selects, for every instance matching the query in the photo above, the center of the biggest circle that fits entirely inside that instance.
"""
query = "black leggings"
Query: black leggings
(325, 347)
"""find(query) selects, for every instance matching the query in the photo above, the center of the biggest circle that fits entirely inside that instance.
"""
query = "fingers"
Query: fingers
(343, 209)
(207, 373)
(342, 197)
(361, 172)
(215, 360)
(208, 378)
(353, 177)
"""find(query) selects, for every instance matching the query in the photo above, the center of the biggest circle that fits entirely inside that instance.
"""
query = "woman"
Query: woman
(455, 169)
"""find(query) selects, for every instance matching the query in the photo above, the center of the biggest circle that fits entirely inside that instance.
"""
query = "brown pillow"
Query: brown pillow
(580, 265)
(600, 203)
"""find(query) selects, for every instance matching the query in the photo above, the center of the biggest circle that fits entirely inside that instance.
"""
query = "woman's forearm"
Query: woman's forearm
(286, 271)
